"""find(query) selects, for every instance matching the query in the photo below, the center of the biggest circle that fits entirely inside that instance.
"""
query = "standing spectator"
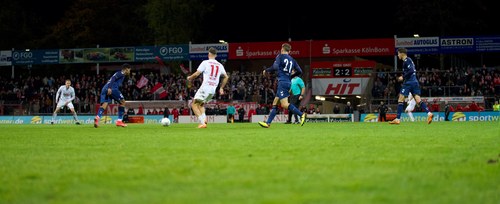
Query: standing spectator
(496, 107)
(252, 112)
(446, 111)
(382, 111)
(241, 113)
(175, 113)
(348, 108)
(166, 112)
(336, 109)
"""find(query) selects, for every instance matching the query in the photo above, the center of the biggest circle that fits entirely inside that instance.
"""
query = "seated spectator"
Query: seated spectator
(141, 110)
(435, 107)
(130, 111)
(473, 106)
(452, 109)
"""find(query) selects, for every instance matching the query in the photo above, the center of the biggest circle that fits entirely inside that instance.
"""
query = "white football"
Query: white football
(165, 122)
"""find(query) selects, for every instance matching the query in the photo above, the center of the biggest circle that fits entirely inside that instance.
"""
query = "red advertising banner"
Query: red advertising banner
(309, 48)
(267, 50)
(363, 47)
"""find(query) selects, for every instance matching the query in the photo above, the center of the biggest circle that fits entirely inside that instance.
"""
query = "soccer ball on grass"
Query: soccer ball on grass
(165, 122)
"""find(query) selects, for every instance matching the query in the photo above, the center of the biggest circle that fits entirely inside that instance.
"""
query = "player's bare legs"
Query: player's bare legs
(422, 104)
(121, 112)
(199, 110)
(54, 115)
(401, 99)
(75, 117)
(99, 114)
(285, 104)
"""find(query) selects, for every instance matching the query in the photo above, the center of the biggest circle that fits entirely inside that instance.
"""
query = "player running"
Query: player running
(212, 71)
(283, 64)
(410, 84)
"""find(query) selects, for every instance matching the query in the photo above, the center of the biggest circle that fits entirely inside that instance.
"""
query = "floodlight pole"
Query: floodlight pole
(97, 66)
(12, 64)
(395, 57)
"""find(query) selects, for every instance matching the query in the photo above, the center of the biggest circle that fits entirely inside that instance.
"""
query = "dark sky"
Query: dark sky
(325, 20)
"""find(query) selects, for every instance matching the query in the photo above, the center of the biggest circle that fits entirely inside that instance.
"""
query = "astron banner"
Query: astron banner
(339, 86)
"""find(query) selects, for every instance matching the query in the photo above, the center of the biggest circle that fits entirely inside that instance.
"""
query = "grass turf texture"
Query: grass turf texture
(445, 162)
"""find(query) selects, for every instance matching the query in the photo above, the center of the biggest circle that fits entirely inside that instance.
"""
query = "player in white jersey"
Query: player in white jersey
(65, 94)
(212, 70)
(411, 106)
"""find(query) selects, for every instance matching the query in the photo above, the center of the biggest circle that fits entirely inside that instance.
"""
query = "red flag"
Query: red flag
(142, 82)
(183, 69)
(156, 87)
(163, 94)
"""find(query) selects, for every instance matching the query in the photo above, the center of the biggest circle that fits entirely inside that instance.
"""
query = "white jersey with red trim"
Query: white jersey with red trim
(211, 69)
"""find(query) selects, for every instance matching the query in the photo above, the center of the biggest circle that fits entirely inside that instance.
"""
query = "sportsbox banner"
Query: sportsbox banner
(200, 51)
(456, 99)
(267, 50)
(439, 116)
(423, 45)
(66, 119)
(363, 47)
(339, 86)
(25, 57)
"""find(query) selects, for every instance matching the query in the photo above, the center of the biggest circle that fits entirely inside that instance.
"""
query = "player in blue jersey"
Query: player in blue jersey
(283, 65)
(111, 91)
(410, 84)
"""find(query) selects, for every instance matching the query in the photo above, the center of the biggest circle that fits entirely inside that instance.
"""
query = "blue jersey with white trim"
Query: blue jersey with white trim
(284, 64)
(115, 81)
(409, 71)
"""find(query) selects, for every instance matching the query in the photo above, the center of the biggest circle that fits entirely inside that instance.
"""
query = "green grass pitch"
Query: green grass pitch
(444, 162)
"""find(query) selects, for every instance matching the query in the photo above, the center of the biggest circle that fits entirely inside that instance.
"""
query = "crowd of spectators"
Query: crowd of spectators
(450, 82)
(36, 93)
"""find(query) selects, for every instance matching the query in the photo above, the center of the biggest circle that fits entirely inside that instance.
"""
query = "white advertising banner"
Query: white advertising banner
(339, 86)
